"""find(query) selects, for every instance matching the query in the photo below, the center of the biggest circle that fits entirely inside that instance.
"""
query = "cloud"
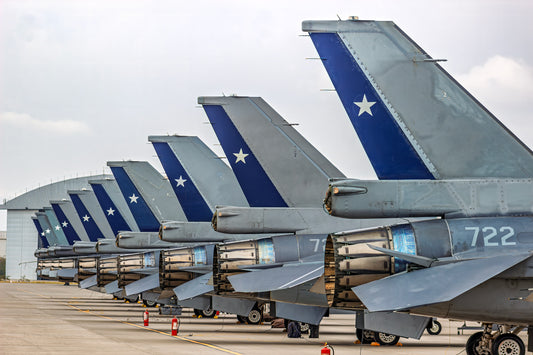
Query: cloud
(25, 121)
(500, 80)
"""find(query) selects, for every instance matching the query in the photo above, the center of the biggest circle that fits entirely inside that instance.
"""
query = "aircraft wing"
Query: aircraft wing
(195, 287)
(432, 285)
(278, 278)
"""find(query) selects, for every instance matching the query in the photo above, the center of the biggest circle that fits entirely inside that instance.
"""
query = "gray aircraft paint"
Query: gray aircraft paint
(431, 114)
(411, 198)
(284, 150)
(154, 189)
(111, 188)
(90, 202)
(54, 223)
(212, 177)
(47, 228)
(70, 212)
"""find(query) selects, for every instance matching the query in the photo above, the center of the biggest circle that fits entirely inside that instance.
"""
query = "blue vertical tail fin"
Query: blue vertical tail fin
(413, 119)
(275, 165)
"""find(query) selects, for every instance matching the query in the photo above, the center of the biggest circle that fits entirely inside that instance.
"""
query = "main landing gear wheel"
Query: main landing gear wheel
(364, 336)
(242, 319)
(304, 328)
(508, 344)
(434, 328)
(386, 339)
(472, 345)
(149, 303)
(255, 316)
(208, 313)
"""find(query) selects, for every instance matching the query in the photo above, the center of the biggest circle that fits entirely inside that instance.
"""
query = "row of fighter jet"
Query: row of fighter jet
(446, 232)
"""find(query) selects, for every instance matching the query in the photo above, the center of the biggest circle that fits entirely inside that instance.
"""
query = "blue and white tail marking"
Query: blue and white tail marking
(93, 231)
(388, 149)
(111, 212)
(192, 202)
(67, 228)
(255, 183)
(144, 217)
(43, 242)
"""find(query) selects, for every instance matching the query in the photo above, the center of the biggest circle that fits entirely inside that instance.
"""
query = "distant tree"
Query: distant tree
(2, 268)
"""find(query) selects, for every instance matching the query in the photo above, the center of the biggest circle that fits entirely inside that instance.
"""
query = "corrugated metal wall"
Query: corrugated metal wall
(21, 244)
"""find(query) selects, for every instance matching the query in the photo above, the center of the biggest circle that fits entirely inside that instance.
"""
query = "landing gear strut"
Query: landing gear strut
(500, 342)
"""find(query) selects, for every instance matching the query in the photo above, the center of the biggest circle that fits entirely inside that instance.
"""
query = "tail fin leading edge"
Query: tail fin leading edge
(413, 119)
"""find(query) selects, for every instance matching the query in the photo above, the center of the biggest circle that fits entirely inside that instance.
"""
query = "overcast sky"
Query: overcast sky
(84, 82)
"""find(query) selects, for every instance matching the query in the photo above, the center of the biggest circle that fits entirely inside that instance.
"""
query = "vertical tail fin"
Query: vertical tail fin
(413, 119)
(88, 218)
(43, 242)
(47, 229)
(275, 165)
(64, 224)
(114, 214)
(199, 179)
(56, 226)
(70, 222)
(147, 194)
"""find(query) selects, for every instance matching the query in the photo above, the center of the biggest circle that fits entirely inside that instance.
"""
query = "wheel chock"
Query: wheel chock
(375, 343)
(399, 344)
(357, 341)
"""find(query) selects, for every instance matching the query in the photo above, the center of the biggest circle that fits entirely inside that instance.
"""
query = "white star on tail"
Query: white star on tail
(240, 156)
(180, 181)
(58, 227)
(64, 224)
(110, 211)
(86, 218)
(364, 106)
(133, 198)
(48, 231)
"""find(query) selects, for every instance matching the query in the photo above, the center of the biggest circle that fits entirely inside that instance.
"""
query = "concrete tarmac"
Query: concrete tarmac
(37, 318)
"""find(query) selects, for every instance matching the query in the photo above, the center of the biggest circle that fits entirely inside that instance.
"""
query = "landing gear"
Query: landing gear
(508, 344)
(206, 313)
(304, 328)
(149, 303)
(364, 336)
(434, 327)
(386, 339)
(500, 342)
(255, 316)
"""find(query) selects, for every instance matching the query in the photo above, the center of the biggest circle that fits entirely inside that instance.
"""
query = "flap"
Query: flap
(276, 278)
(432, 285)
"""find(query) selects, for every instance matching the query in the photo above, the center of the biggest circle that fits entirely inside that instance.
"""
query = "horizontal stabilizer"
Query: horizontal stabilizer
(432, 285)
(68, 273)
(195, 287)
(112, 287)
(301, 313)
(198, 269)
(89, 282)
(146, 283)
(277, 278)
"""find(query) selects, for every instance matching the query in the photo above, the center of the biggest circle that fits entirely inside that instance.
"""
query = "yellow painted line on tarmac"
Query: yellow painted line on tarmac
(141, 327)
(156, 331)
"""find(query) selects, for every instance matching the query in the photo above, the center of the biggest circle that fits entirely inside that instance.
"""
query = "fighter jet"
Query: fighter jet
(471, 264)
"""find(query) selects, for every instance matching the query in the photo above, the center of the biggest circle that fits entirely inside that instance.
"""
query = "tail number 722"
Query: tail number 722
(491, 236)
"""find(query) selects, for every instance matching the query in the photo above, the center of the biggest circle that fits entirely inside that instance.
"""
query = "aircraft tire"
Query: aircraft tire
(242, 319)
(434, 328)
(208, 313)
(472, 343)
(304, 328)
(364, 336)
(386, 339)
(508, 344)
(149, 303)
(255, 316)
